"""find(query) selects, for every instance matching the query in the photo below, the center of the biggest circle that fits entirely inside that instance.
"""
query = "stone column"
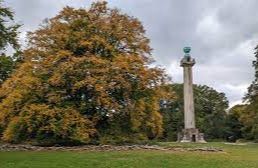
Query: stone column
(189, 133)
(189, 117)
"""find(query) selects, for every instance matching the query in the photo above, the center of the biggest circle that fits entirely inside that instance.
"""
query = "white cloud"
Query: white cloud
(209, 25)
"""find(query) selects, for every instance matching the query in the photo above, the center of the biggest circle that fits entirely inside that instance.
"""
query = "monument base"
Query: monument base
(191, 135)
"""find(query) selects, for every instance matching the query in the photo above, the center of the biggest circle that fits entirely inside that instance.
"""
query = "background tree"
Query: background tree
(8, 40)
(210, 110)
(234, 123)
(173, 113)
(248, 114)
(252, 95)
(85, 75)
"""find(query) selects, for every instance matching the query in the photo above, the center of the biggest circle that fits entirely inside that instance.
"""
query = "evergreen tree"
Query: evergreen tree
(8, 40)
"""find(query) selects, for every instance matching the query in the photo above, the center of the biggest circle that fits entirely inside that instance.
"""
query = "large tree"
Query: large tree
(84, 75)
(8, 41)
(210, 110)
(249, 113)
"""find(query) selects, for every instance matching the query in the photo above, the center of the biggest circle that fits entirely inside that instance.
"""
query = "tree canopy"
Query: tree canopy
(85, 75)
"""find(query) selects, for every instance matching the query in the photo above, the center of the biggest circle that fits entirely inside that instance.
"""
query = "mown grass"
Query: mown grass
(235, 156)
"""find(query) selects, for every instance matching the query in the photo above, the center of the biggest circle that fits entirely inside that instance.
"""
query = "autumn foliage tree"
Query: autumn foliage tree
(85, 76)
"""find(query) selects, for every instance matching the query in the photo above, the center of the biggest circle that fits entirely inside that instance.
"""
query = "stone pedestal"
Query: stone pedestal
(190, 133)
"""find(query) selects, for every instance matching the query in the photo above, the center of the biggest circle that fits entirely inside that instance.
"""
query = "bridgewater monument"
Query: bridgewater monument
(190, 133)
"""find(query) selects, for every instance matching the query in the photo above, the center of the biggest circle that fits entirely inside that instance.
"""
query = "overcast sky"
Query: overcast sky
(222, 35)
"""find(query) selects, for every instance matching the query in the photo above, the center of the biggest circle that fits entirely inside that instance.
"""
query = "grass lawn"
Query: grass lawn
(245, 156)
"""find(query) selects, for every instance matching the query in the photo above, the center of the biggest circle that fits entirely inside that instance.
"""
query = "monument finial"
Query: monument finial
(187, 51)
